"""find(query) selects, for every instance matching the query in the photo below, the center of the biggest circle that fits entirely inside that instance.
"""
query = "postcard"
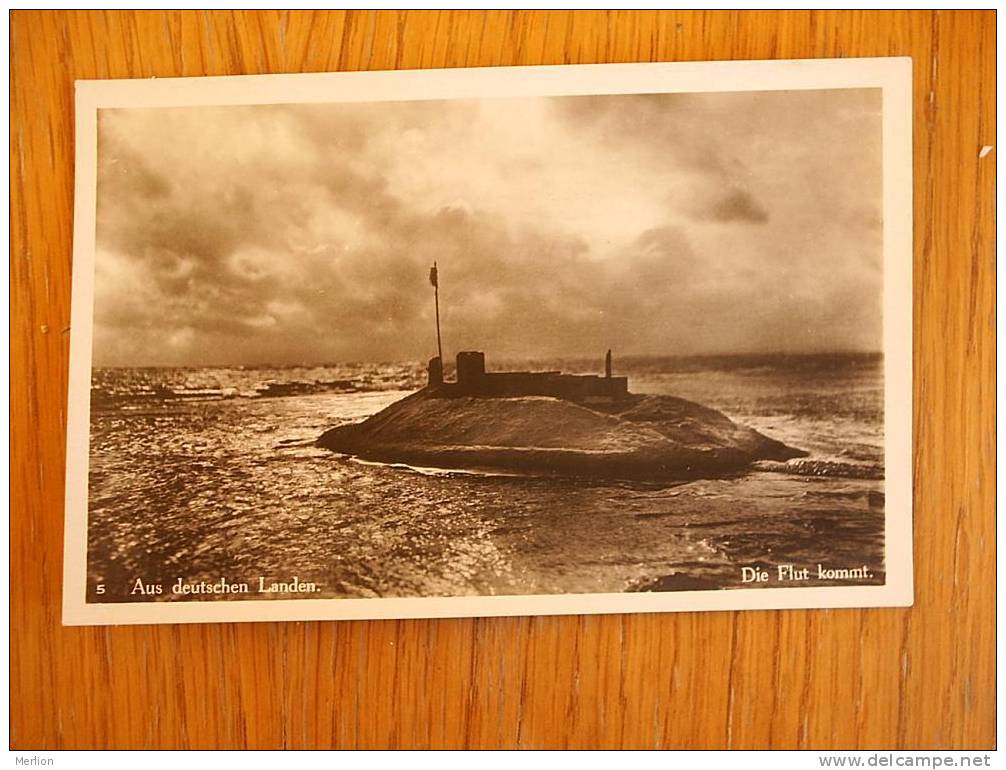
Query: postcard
(502, 341)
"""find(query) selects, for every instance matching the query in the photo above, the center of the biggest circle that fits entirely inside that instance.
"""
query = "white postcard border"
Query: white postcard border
(893, 75)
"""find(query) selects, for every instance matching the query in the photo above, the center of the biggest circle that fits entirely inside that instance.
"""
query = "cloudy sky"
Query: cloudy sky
(650, 224)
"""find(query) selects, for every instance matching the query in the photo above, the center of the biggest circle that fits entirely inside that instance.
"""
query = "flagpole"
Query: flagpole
(436, 303)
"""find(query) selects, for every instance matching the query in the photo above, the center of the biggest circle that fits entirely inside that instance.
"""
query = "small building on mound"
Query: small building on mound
(473, 380)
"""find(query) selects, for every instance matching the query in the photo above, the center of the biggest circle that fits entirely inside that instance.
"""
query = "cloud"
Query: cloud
(735, 206)
(649, 224)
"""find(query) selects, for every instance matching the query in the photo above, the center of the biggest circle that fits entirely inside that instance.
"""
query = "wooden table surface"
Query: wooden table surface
(877, 678)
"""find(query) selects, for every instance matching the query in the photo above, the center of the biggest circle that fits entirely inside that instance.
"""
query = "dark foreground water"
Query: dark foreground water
(211, 474)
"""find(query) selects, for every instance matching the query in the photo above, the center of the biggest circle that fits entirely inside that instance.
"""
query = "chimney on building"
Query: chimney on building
(471, 368)
(435, 372)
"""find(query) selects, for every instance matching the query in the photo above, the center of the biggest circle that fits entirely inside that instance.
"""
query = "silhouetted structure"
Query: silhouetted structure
(435, 372)
(435, 282)
(474, 380)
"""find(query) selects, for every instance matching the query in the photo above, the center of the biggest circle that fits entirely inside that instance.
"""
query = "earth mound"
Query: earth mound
(640, 436)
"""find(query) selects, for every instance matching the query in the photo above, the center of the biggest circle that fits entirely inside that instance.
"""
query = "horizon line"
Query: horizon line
(450, 361)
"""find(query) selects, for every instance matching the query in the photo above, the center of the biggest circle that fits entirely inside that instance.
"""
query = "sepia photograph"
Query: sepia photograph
(505, 348)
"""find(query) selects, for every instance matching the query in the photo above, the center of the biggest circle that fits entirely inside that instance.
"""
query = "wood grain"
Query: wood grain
(881, 678)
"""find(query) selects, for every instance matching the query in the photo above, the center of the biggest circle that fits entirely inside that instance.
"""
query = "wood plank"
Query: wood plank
(913, 678)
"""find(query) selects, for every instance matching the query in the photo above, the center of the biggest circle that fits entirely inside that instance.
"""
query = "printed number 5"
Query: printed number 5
(100, 589)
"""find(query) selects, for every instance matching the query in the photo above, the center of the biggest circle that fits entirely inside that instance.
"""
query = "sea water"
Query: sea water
(211, 474)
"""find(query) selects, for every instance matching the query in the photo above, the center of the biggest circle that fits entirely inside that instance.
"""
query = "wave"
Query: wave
(431, 471)
(111, 398)
(804, 466)
(141, 387)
